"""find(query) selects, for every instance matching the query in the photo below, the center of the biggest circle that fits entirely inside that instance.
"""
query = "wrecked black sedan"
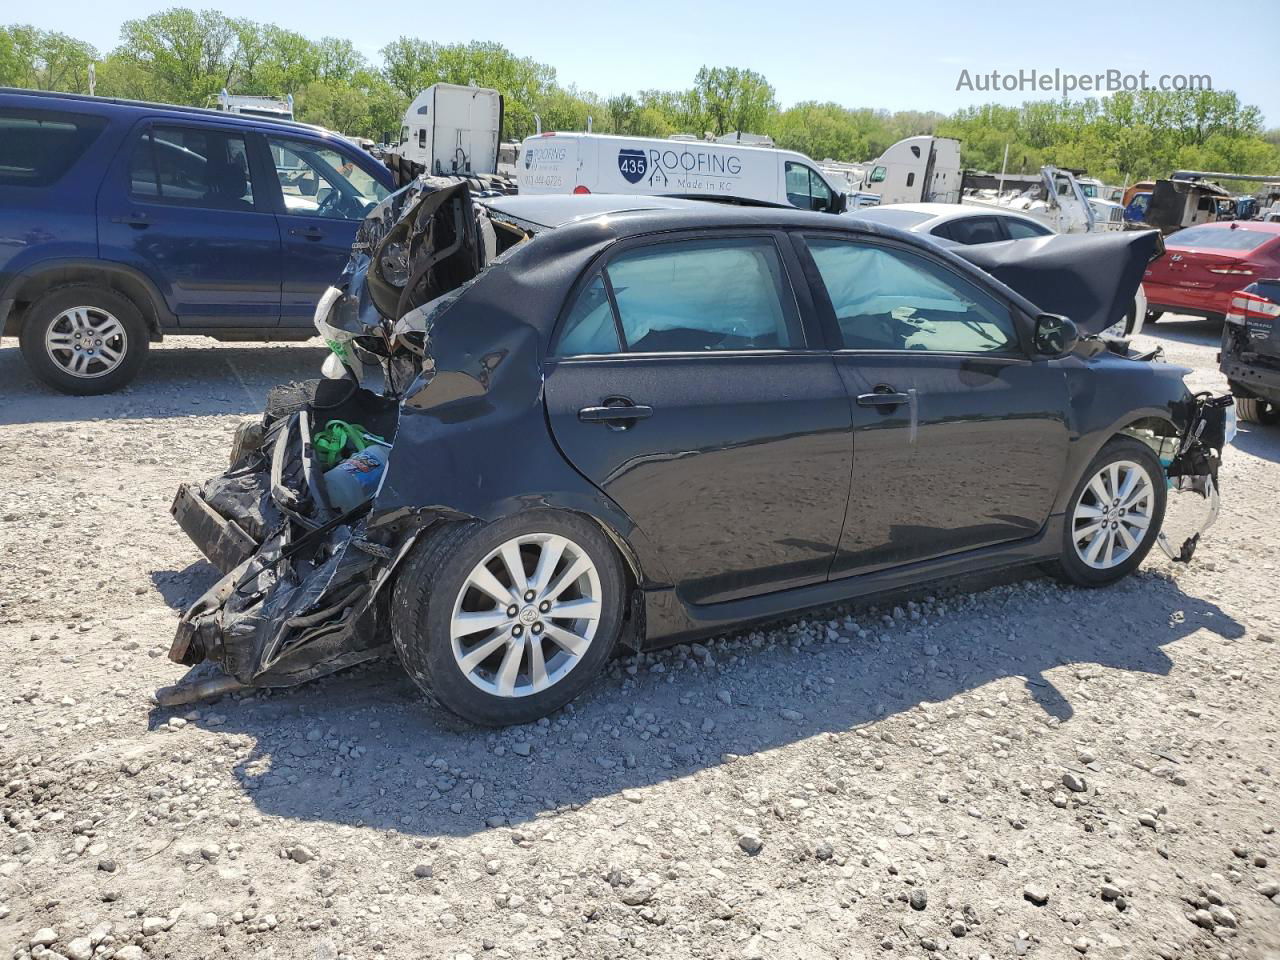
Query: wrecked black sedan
(553, 425)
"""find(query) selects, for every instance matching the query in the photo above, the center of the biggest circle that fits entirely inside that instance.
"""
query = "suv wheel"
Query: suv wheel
(1114, 514)
(84, 339)
(1257, 410)
(505, 622)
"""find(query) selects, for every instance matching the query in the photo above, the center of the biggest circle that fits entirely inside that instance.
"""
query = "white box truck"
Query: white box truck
(701, 169)
(453, 130)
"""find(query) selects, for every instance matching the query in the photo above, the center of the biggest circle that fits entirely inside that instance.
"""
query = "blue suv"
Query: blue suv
(122, 222)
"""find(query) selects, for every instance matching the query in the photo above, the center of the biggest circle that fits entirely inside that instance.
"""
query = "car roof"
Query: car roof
(82, 102)
(942, 212)
(1262, 226)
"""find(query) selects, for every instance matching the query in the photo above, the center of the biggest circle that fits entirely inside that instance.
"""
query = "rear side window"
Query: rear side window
(889, 299)
(1022, 230)
(974, 230)
(686, 296)
(201, 167)
(38, 146)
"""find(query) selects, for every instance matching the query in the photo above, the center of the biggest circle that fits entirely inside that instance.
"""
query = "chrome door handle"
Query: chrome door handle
(883, 399)
(615, 414)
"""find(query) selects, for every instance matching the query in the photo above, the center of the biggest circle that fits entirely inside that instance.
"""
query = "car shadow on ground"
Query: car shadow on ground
(363, 748)
(1258, 440)
(180, 588)
(1185, 329)
(174, 382)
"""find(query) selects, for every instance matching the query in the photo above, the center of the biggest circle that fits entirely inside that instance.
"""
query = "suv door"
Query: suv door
(959, 439)
(684, 385)
(321, 194)
(181, 205)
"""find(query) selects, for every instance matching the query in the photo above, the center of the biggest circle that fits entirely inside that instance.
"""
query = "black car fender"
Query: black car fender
(1109, 396)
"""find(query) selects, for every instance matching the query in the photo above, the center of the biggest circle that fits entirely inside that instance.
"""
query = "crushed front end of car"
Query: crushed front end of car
(305, 561)
(1191, 460)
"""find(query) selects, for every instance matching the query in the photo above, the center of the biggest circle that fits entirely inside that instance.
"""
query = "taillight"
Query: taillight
(580, 189)
(1245, 305)
(1232, 271)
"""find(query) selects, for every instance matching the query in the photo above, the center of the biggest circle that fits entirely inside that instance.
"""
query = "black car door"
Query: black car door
(960, 437)
(684, 385)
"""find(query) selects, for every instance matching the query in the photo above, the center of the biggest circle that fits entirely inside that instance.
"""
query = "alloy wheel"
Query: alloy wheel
(526, 615)
(86, 342)
(1113, 514)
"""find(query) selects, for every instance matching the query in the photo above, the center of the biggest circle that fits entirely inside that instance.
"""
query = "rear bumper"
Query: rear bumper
(1170, 298)
(1256, 379)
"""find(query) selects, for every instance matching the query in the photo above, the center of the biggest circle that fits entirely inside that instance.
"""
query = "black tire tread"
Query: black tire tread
(415, 582)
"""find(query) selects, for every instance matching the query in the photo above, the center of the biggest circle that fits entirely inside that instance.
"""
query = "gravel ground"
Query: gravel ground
(997, 769)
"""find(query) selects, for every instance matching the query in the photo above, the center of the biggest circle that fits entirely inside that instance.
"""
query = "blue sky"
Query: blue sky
(868, 54)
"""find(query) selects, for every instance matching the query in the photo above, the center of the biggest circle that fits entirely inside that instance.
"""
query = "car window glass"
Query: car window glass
(318, 181)
(1218, 238)
(971, 230)
(590, 326)
(806, 189)
(691, 295)
(191, 165)
(1021, 230)
(888, 299)
(38, 146)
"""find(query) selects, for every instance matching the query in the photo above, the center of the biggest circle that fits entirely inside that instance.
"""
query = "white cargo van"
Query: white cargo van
(920, 169)
(452, 129)
(596, 163)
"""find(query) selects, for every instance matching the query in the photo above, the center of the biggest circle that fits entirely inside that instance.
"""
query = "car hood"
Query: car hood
(1091, 278)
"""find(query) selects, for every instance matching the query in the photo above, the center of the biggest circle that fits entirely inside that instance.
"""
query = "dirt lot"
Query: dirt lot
(1004, 770)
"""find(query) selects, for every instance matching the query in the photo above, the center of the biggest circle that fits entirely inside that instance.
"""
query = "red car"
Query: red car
(1205, 264)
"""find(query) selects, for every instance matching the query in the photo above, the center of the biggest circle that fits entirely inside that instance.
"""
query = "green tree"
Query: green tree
(734, 99)
(44, 60)
(191, 56)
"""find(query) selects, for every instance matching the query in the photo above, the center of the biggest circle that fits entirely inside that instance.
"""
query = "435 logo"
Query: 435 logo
(633, 165)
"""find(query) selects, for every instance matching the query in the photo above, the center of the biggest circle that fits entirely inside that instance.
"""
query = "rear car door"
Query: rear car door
(321, 194)
(181, 205)
(959, 438)
(684, 384)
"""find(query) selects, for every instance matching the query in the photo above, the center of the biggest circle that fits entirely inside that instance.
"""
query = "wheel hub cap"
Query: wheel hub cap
(86, 342)
(1113, 515)
(526, 615)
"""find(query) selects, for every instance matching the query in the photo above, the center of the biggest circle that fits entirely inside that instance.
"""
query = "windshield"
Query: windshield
(1219, 238)
(902, 219)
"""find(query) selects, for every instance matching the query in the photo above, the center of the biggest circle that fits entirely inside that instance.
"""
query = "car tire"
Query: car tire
(1128, 523)
(58, 323)
(436, 602)
(1257, 410)
(1153, 316)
